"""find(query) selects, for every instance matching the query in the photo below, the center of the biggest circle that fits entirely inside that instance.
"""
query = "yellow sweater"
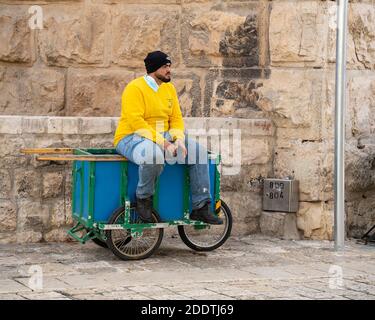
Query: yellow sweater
(149, 113)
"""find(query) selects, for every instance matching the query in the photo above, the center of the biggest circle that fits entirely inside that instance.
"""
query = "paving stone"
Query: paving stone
(125, 295)
(50, 295)
(11, 286)
(48, 283)
(253, 267)
(11, 296)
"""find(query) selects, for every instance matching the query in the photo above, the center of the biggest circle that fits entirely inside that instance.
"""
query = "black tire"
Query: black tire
(120, 243)
(191, 237)
(100, 242)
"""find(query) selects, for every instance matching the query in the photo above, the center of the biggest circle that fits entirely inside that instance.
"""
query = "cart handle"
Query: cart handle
(48, 150)
(66, 154)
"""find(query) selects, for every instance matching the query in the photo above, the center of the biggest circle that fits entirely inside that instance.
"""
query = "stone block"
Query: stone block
(293, 99)
(31, 91)
(233, 92)
(10, 124)
(68, 211)
(73, 34)
(27, 184)
(156, 29)
(250, 178)
(296, 33)
(360, 216)
(315, 221)
(243, 205)
(10, 162)
(183, 88)
(256, 151)
(235, 98)
(16, 37)
(251, 226)
(362, 29)
(303, 162)
(34, 124)
(29, 236)
(58, 217)
(92, 125)
(361, 104)
(279, 224)
(55, 125)
(96, 93)
(256, 127)
(57, 235)
(8, 216)
(70, 125)
(359, 171)
(188, 88)
(32, 216)
(215, 36)
(52, 184)
(63, 125)
(5, 184)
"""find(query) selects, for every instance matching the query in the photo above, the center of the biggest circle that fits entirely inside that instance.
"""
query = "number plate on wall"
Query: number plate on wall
(280, 195)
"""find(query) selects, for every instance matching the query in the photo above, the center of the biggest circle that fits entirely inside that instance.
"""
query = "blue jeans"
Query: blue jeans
(150, 158)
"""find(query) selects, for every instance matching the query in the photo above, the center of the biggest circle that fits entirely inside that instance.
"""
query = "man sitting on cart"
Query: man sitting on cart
(151, 128)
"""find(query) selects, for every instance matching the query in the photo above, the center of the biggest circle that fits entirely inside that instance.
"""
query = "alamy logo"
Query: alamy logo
(36, 20)
(336, 278)
(36, 279)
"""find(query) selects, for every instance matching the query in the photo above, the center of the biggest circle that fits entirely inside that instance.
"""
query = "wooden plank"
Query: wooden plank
(82, 158)
(48, 150)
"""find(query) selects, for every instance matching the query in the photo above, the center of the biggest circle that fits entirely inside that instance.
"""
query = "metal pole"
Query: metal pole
(342, 8)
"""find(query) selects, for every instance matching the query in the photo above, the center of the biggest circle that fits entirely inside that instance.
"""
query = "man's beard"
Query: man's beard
(163, 79)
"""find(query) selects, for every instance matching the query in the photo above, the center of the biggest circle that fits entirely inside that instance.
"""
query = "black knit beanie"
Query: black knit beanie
(155, 60)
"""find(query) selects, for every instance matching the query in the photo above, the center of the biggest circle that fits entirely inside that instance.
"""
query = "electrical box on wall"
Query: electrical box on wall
(280, 195)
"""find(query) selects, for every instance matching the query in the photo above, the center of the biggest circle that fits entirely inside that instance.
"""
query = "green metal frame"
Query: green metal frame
(217, 179)
(97, 230)
(84, 224)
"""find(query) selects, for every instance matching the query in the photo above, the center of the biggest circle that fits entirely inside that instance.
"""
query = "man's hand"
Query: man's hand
(170, 148)
(181, 144)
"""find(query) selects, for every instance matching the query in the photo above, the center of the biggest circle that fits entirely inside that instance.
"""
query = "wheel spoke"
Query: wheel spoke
(127, 247)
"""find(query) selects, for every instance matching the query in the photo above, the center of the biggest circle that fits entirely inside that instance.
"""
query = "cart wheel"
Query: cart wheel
(127, 248)
(210, 237)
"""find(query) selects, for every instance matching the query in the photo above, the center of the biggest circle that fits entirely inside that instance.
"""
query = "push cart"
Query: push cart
(103, 203)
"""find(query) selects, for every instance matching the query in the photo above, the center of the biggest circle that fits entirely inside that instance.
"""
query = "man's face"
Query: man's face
(164, 73)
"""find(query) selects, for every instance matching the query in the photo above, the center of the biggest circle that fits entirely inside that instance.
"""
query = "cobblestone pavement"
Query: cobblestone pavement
(252, 267)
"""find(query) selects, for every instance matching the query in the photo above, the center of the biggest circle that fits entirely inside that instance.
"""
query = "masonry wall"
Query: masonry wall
(35, 196)
(260, 59)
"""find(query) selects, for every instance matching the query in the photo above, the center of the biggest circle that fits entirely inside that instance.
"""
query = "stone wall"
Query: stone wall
(231, 58)
(300, 96)
(35, 196)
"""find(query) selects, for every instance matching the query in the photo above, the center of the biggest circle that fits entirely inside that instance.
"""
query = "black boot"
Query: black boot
(144, 209)
(204, 214)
